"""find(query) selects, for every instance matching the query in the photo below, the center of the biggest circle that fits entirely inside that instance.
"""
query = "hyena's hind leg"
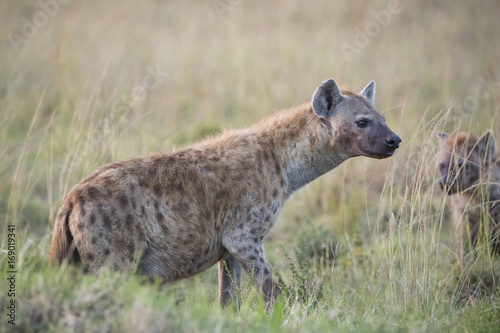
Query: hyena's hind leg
(229, 280)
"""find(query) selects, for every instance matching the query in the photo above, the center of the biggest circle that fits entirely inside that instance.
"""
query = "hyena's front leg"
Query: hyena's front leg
(250, 254)
(229, 280)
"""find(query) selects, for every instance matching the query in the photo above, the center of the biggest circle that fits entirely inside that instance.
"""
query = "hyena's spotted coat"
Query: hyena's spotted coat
(470, 174)
(215, 201)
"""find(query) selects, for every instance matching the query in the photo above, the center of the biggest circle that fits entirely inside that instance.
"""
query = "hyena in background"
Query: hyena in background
(470, 174)
(179, 213)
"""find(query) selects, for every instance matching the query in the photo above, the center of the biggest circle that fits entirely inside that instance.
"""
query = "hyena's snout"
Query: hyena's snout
(443, 184)
(393, 142)
(448, 183)
(448, 174)
(379, 143)
(390, 143)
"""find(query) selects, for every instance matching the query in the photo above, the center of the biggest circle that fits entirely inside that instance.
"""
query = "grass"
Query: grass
(368, 247)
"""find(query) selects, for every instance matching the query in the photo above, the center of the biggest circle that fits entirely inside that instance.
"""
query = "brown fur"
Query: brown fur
(470, 174)
(179, 213)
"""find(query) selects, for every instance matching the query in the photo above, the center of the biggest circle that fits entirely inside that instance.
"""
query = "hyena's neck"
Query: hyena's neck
(489, 188)
(494, 184)
(305, 145)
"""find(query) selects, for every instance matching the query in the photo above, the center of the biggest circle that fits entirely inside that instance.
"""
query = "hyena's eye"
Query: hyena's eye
(442, 167)
(362, 123)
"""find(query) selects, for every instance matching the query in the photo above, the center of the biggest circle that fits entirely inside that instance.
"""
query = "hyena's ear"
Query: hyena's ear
(368, 92)
(442, 137)
(326, 98)
(486, 147)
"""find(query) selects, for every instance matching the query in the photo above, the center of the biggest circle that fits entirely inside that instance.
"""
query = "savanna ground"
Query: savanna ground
(368, 247)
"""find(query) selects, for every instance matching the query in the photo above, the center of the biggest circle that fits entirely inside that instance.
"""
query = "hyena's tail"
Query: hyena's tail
(63, 248)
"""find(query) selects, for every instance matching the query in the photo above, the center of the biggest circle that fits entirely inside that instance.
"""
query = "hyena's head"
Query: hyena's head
(462, 160)
(357, 126)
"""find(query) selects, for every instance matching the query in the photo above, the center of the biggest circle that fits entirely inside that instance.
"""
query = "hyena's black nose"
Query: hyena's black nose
(441, 183)
(393, 141)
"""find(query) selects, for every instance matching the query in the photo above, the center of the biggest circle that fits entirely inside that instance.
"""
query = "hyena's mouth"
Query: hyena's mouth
(379, 155)
(451, 190)
(447, 187)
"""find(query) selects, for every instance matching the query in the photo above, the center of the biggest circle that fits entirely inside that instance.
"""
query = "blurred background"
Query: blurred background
(89, 82)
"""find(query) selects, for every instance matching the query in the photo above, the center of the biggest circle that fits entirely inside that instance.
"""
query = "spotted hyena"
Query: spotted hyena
(470, 174)
(179, 213)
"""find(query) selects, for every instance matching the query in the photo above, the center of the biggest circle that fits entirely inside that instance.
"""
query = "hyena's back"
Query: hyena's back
(169, 211)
